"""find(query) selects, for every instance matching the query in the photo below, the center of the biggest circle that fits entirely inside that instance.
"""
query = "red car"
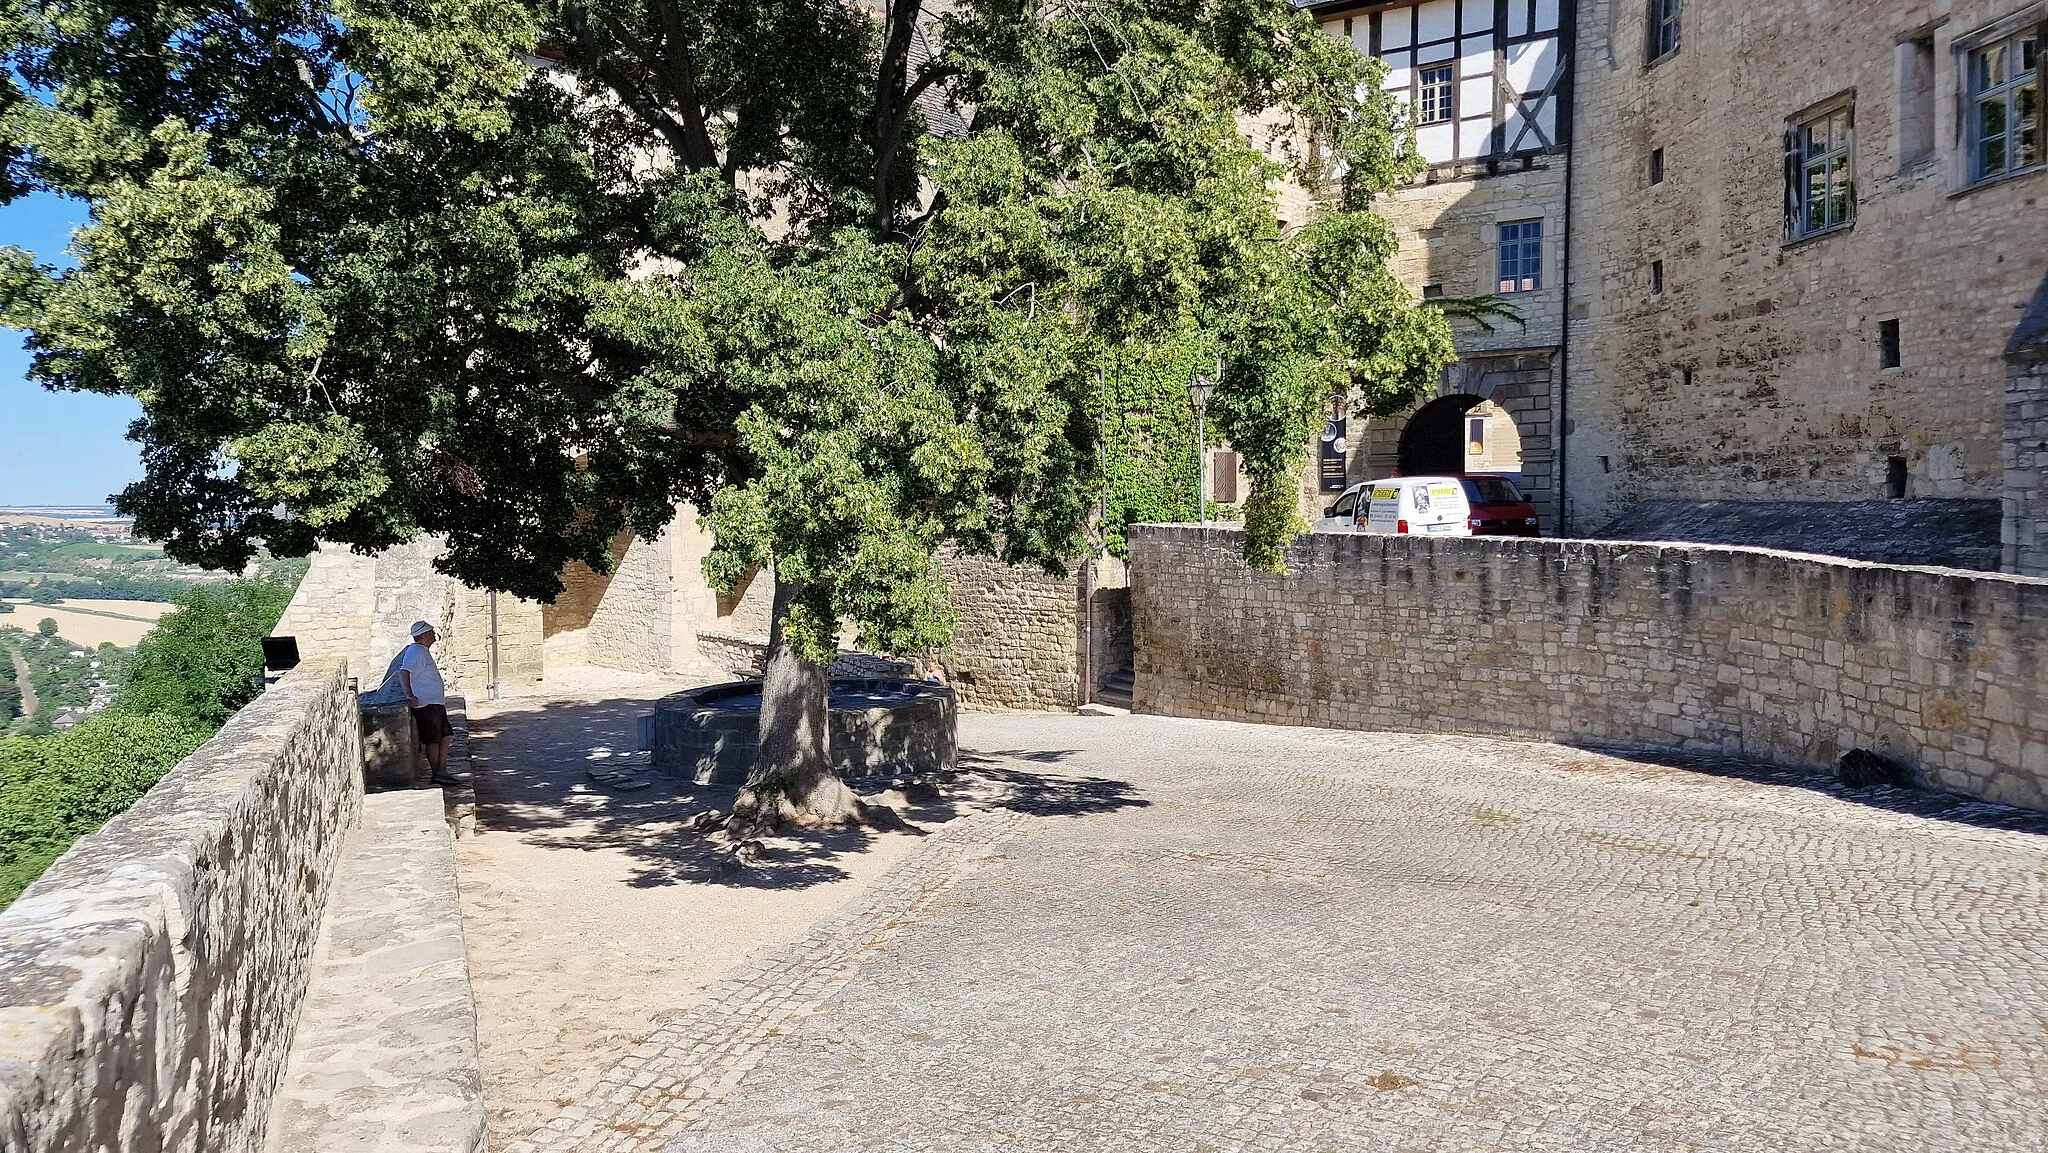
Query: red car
(1498, 507)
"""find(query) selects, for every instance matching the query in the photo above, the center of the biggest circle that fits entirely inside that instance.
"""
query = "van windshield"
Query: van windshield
(1490, 490)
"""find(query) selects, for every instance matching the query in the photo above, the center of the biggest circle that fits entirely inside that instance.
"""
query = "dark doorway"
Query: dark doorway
(1433, 441)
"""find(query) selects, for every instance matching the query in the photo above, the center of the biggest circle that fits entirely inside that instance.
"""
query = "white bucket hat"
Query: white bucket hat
(420, 629)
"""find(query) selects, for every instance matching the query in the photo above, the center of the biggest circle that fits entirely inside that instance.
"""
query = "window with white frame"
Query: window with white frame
(1521, 256)
(1433, 101)
(2003, 83)
(1663, 28)
(1820, 192)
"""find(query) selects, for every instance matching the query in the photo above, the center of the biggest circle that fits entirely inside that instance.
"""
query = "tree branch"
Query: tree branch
(622, 85)
(681, 75)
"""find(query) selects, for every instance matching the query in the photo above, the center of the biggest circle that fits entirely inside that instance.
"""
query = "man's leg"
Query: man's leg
(437, 755)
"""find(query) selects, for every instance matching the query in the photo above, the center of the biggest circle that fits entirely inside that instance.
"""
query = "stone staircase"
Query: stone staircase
(1115, 690)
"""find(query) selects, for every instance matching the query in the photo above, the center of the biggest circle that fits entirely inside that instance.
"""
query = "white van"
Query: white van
(1419, 505)
(1342, 516)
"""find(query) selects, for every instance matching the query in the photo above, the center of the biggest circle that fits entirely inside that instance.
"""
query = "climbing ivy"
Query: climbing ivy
(1147, 438)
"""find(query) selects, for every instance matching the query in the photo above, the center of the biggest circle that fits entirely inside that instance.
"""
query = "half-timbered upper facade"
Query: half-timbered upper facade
(1488, 88)
(1484, 79)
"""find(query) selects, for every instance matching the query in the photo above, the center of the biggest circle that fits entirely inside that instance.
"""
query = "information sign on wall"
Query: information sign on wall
(1330, 456)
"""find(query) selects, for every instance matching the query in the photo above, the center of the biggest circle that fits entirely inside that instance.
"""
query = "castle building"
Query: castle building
(1774, 262)
(1806, 234)
(1488, 84)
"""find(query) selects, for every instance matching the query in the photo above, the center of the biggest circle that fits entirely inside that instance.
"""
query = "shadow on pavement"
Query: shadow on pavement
(1912, 802)
(535, 766)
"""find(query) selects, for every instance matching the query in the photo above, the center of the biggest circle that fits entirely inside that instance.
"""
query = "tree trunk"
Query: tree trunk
(792, 778)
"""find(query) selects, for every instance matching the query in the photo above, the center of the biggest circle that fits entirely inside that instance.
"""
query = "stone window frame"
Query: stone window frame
(1799, 162)
(2034, 19)
(1660, 17)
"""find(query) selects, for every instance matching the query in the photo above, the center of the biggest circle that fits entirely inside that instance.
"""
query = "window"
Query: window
(1895, 477)
(1521, 256)
(1435, 98)
(1820, 191)
(1432, 292)
(1663, 28)
(1887, 344)
(1656, 278)
(1656, 166)
(2004, 109)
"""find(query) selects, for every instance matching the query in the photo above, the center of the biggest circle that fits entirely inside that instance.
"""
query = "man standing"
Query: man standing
(420, 680)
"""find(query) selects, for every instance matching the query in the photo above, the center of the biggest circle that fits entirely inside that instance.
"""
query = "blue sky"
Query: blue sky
(56, 447)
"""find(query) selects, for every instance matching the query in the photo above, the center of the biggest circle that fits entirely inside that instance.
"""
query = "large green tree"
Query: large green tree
(844, 277)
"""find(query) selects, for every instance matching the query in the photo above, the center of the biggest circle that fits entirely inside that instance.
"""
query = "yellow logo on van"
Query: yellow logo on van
(1385, 492)
(1446, 491)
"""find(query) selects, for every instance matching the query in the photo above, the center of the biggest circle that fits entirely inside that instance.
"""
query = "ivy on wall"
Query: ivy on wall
(1147, 429)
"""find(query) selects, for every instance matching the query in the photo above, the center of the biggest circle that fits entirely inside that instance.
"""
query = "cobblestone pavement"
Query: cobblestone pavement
(1210, 937)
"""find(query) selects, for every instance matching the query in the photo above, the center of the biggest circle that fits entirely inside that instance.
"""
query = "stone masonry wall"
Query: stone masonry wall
(2025, 528)
(1755, 373)
(1773, 656)
(1018, 642)
(150, 981)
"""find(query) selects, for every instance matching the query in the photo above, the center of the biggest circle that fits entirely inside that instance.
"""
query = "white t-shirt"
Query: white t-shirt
(426, 675)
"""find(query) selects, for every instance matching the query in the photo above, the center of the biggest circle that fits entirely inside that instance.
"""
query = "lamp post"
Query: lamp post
(1198, 393)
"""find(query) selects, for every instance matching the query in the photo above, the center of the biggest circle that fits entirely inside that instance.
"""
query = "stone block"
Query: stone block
(392, 757)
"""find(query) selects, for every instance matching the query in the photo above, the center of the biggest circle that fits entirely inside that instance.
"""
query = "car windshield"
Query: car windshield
(1490, 490)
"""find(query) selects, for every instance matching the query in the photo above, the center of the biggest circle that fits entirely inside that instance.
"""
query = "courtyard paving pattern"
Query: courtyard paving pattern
(1200, 936)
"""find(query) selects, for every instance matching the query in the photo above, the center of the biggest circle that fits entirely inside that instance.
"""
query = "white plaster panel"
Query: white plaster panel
(1399, 74)
(1478, 15)
(1435, 52)
(1394, 28)
(1436, 143)
(1476, 56)
(1472, 136)
(1475, 97)
(1531, 65)
(1436, 20)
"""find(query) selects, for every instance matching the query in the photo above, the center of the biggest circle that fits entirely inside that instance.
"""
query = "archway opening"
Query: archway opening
(1433, 440)
(1459, 433)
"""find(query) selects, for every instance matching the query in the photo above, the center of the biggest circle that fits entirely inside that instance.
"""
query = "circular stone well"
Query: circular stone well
(878, 726)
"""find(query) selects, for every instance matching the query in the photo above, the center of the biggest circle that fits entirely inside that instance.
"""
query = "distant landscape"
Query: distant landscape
(115, 662)
(82, 568)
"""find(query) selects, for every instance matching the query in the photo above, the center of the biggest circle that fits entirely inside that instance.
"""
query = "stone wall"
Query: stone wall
(150, 980)
(2025, 535)
(1018, 642)
(1756, 372)
(1778, 657)
(1947, 533)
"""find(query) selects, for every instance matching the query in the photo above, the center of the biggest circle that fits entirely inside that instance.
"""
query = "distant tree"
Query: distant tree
(47, 627)
(200, 661)
(5, 607)
(55, 789)
(45, 594)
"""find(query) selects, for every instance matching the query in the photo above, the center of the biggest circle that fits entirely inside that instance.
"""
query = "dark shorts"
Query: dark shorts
(432, 722)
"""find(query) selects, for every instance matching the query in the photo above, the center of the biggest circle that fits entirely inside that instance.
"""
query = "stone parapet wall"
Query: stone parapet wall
(1781, 657)
(150, 981)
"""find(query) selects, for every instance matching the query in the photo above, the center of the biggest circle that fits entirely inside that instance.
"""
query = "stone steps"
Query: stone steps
(1116, 689)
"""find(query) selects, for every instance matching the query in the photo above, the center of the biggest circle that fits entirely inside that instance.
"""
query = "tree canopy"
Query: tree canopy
(846, 278)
